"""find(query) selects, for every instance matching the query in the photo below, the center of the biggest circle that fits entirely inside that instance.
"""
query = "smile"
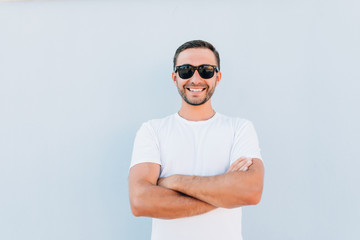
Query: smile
(195, 89)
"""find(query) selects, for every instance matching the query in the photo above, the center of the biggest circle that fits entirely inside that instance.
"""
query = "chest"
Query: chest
(194, 150)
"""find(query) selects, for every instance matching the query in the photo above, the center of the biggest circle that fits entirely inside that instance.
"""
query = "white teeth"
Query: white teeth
(195, 89)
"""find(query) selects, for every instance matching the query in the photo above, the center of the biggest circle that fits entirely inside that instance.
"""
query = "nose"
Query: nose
(196, 79)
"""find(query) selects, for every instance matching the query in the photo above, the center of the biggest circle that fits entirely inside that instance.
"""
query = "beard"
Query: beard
(198, 100)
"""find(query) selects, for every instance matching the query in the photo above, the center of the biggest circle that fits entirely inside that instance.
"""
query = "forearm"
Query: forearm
(229, 190)
(217, 190)
(155, 201)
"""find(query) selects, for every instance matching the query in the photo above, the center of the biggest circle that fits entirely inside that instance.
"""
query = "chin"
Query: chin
(195, 103)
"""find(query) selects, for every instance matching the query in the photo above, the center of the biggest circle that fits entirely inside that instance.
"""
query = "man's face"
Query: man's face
(196, 90)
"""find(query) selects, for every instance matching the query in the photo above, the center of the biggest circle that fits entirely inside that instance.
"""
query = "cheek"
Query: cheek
(179, 86)
(211, 84)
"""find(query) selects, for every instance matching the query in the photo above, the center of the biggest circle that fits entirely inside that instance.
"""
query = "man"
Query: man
(192, 171)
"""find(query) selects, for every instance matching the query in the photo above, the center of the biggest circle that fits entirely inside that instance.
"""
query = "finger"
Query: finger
(238, 164)
(247, 164)
(242, 165)
(234, 166)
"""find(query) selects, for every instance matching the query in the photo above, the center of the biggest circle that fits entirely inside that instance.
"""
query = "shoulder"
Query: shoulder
(237, 123)
(155, 125)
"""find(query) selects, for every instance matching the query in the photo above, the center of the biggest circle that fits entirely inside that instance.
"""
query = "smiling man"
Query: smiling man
(193, 171)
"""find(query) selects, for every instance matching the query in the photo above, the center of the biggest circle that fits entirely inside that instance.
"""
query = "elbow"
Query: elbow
(136, 211)
(254, 196)
(242, 200)
(137, 207)
(251, 197)
(141, 202)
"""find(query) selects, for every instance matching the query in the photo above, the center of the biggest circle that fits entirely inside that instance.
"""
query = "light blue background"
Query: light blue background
(77, 78)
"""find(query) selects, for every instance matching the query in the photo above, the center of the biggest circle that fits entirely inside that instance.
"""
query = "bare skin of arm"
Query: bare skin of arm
(149, 199)
(229, 190)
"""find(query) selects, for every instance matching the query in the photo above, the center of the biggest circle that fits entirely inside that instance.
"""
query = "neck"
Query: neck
(196, 113)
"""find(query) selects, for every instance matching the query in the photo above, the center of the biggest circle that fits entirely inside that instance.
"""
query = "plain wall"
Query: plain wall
(77, 79)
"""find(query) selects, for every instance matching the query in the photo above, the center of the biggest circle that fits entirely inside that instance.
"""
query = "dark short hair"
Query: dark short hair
(197, 44)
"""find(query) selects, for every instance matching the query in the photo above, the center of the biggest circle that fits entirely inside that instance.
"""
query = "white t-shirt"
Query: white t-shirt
(202, 148)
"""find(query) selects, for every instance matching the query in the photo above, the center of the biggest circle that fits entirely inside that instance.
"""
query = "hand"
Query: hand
(242, 164)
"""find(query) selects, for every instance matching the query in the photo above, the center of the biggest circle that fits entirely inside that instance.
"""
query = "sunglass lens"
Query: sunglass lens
(186, 72)
(206, 72)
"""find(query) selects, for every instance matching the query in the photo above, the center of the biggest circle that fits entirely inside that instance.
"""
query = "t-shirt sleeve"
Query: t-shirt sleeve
(246, 142)
(146, 146)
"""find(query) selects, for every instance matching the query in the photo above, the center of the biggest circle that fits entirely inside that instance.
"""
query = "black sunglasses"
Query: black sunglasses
(205, 71)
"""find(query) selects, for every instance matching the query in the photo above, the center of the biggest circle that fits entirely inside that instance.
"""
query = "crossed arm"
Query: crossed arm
(179, 196)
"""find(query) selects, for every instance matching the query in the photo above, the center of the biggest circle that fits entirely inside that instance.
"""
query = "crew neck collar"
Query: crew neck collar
(197, 122)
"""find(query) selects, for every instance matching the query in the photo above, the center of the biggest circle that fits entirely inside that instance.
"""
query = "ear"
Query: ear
(218, 77)
(173, 76)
